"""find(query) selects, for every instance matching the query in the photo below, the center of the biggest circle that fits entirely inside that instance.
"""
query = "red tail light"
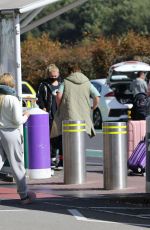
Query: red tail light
(110, 94)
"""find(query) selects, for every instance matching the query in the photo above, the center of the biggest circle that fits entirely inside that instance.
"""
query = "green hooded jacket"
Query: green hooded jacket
(75, 104)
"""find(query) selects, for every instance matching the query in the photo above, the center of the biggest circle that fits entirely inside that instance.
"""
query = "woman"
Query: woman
(10, 138)
(47, 101)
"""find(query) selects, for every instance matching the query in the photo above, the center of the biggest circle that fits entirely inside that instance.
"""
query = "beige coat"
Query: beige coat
(75, 104)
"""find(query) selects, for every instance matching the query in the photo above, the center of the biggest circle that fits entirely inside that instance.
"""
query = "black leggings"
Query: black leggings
(56, 143)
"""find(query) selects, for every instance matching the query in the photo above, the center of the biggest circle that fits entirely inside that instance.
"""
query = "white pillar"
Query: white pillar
(18, 56)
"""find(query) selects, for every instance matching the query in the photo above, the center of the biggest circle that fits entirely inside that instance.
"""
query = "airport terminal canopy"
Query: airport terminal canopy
(15, 18)
(14, 15)
(23, 6)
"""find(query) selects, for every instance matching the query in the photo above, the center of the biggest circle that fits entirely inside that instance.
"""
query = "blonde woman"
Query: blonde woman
(10, 138)
(47, 101)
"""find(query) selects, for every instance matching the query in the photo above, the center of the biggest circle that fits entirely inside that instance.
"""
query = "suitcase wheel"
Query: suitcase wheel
(139, 170)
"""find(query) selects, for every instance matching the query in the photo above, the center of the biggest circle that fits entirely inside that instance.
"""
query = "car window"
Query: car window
(25, 89)
(97, 86)
(119, 77)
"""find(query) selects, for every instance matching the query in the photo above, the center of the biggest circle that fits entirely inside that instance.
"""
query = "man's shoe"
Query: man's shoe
(31, 196)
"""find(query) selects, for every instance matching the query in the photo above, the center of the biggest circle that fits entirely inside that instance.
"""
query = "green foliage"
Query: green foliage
(125, 15)
(96, 18)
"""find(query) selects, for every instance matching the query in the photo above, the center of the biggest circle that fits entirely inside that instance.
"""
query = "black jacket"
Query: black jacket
(46, 97)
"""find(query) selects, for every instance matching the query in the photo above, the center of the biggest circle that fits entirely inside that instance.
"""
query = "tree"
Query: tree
(121, 16)
(97, 18)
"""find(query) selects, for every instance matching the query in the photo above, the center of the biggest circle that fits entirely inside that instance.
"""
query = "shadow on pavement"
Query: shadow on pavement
(124, 209)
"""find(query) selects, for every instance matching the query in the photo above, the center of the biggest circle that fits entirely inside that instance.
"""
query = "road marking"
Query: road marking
(123, 208)
(80, 217)
(94, 153)
(94, 208)
(77, 214)
(95, 150)
(124, 214)
(146, 216)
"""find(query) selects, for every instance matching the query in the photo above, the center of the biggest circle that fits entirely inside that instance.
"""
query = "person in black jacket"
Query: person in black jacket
(47, 101)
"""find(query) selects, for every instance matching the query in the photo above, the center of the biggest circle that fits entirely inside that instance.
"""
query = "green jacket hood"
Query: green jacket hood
(77, 78)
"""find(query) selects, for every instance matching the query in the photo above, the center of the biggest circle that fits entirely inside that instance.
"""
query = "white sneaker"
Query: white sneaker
(31, 196)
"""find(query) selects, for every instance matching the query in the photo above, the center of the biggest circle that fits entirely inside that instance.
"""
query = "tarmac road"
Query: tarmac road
(73, 213)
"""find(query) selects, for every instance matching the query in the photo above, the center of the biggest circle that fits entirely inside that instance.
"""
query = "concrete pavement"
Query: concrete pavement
(86, 206)
(93, 187)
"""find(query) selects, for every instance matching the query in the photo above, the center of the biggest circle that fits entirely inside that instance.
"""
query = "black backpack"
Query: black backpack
(140, 103)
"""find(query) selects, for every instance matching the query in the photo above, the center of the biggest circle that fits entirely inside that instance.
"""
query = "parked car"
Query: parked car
(120, 77)
(109, 109)
(28, 94)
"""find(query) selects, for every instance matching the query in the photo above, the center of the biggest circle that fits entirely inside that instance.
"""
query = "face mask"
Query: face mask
(53, 79)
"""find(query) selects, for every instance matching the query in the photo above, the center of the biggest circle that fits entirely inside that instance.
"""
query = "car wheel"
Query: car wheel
(97, 119)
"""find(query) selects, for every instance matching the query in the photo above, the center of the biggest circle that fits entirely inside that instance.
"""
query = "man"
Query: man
(140, 91)
(139, 85)
(73, 100)
(47, 100)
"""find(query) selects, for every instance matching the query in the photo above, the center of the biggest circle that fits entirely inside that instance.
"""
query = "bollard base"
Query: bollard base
(75, 181)
(39, 173)
(115, 188)
(147, 187)
(108, 186)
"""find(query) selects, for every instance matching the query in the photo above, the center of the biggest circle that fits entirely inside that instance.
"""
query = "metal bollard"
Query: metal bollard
(74, 151)
(115, 155)
(147, 154)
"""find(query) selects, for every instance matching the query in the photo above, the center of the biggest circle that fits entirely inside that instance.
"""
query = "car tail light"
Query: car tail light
(110, 94)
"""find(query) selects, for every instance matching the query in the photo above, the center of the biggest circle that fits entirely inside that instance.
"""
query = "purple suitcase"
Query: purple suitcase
(137, 160)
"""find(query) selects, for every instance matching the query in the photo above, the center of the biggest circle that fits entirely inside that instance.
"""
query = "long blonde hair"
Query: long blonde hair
(7, 79)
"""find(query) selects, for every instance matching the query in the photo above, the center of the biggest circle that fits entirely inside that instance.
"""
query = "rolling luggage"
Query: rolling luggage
(136, 133)
(137, 160)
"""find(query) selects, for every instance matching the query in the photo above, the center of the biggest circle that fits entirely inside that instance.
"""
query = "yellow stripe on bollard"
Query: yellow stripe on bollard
(114, 127)
(108, 129)
(69, 125)
(123, 132)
